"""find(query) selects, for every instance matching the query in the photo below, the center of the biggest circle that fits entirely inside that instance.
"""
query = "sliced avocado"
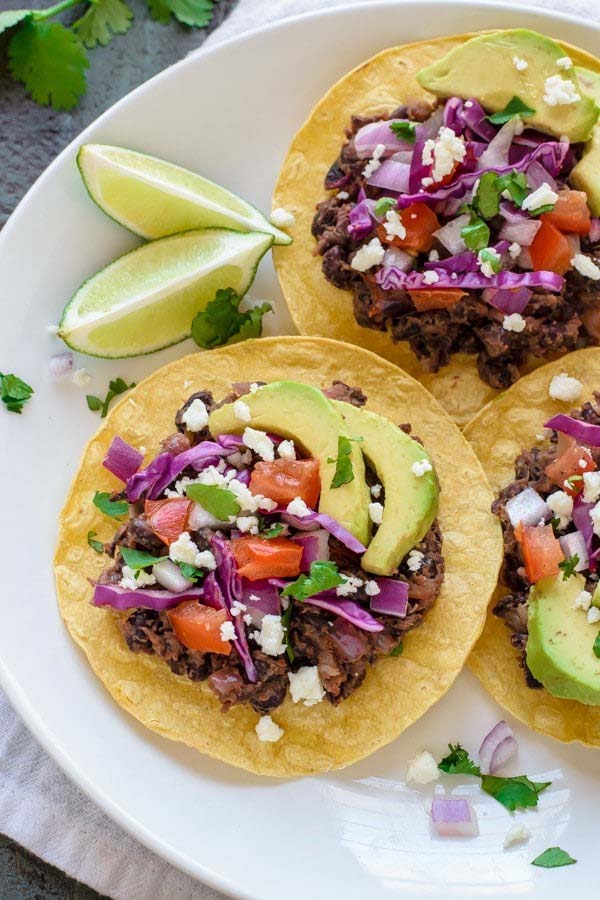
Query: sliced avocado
(560, 642)
(484, 68)
(585, 176)
(303, 414)
(411, 501)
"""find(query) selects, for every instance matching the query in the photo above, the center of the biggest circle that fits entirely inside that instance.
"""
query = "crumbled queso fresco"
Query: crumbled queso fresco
(514, 322)
(561, 505)
(443, 153)
(559, 91)
(195, 418)
(422, 769)
(591, 487)
(260, 442)
(420, 467)
(376, 513)
(241, 411)
(305, 686)
(375, 161)
(564, 387)
(542, 196)
(586, 266)
(271, 637)
(393, 225)
(268, 730)
(282, 218)
(414, 560)
(227, 631)
(368, 255)
(297, 507)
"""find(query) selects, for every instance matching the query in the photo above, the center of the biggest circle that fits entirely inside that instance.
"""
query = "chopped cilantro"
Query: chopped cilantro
(221, 322)
(139, 559)
(103, 19)
(489, 255)
(487, 196)
(514, 107)
(458, 762)
(98, 546)
(14, 393)
(273, 532)
(596, 646)
(404, 130)
(513, 793)
(383, 205)
(191, 572)
(322, 577)
(219, 502)
(552, 858)
(572, 480)
(476, 234)
(515, 183)
(555, 521)
(568, 566)
(397, 651)
(115, 387)
(344, 473)
(285, 621)
(548, 207)
(113, 508)
(196, 13)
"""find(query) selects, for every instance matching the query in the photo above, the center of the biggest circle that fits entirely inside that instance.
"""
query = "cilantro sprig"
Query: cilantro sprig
(397, 651)
(221, 322)
(476, 234)
(383, 205)
(273, 532)
(344, 473)
(139, 559)
(322, 577)
(50, 58)
(596, 646)
(218, 501)
(191, 572)
(458, 762)
(285, 621)
(514, 107)
(404, 130)
(553, 858)
(115, 387)
(97, 546)
(568, 566)
(14, 392)
(113, 508)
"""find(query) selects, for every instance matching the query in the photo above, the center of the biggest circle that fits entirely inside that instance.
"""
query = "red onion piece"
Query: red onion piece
(314, 519)
(454, 817)
(394, 256)
(61, 365)
(348, 639)
(391, 176)
(169, 575)
(370, 136)
(583, 432)
(493, 739)
(527, 507)
(449, 235)
(315, 547)
(122, 459)
(403, 156)
(594, 234)
(507, 300)
(574, 544)
(392, 599)
(503, 754)
(537, 176)
(496, 155)
(524, 260)
(431, 126)
(521, 232)
(583, 523)
(308, 523)
(574, 244)
(123, 598)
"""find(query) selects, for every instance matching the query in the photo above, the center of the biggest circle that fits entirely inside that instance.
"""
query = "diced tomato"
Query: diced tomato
(258, 558)
(440, 299)
(571, 465)
(571, 213)
(168, 518)
(541, 551)
(199, 627)
(420, 222)
(550, 250)
(284, 479)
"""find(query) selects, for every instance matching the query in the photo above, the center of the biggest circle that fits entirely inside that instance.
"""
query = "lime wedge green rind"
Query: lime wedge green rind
(146, 300)
(155, 199)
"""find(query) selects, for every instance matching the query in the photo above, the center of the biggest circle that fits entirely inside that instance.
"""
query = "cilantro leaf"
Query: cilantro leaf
(383, 205)
(14, 392)
(98, 546)
(514, 107)
(322, 577)
(568, 566)
(160, 11)
(273, 532)
(196, 13)
(516, 185)
(552, 858)
(490, 255)
(191, 572)
(487, 197)
(458, 762)
(11, 17)
(103, 19)
(404, 130)
(139, 559)
(94, 403)
(596, 646)
(397, 651)
(513, 793)
(221, 322)
(115, 387)
(219, 502)
(285, 621)
(113, 508)
(476, 234)
(344, 473)
(542, 209)
(51, 61)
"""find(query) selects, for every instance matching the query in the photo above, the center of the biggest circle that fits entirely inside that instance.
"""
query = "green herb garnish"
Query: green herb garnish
(487, 196)
(514, 107)
(285, 621)
(476, 234)
(383, 205)
(219, 502)
(14, 392)
(273, 532)
(548, 207)
(322, 577)
(568, 566)
(98, 546)
(397, 651)
(514, 793)
(113, 508)
(344, 473)
(221, 322)
(552, 858)
(458, 762)
(404, 130)
(596, 646)
(515, 183)
(115, 387)
(139, 559)
(490, 255)
(191, 572)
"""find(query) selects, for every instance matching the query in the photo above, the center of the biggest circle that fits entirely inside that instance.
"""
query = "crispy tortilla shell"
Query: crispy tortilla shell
(316, 306)
(498, 433)
(396, 691)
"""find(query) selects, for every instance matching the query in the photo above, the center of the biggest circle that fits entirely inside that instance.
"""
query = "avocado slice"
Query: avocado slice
(411, 501)
(484, 67)
(559, 646)
(303, 414)
(585, 175)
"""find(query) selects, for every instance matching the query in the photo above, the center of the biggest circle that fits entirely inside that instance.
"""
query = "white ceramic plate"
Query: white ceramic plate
(360, 833)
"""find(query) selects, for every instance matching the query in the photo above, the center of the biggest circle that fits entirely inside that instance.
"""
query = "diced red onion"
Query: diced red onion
(418, 169)
(583, 432)
(524, 260)
(430, 127)
(527, 507)
(315, 547)
(347, 609)
(507, 300)
(61, 365)
(123, 598)
(122, 459)
(307, 523)
(454, 817)
(497, 748)
(170, 576)
(496, 155)
(392, 599)
(574, 244)
(575, 544)
(452, 115)
(583, 523)
(394, 256)
(537, 176)
(391, 176)
(594, 233)
(449, 235)
(350, 641)
(371, 135)
(522, 232)
(403, 156)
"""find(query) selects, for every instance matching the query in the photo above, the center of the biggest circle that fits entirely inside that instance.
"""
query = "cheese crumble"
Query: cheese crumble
(563, 387)
(227, 631)
(368, 255)
(514, 322)
(282, 218)
(559, 92)
(520, 64)
(195, 418)
(586, 266)
(420, 467)
(422, 769)
(542, 196)
(268, 730)
(376, 513)
(260, 442)
(305, 686)
(241, 411)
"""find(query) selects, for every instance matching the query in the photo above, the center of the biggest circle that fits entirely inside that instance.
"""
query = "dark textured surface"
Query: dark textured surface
(31, 136)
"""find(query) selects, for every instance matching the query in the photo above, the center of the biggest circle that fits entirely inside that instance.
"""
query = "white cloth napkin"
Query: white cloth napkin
(39, 807)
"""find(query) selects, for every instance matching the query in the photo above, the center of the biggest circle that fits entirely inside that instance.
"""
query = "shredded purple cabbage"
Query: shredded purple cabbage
(347, 609)
(231, 586)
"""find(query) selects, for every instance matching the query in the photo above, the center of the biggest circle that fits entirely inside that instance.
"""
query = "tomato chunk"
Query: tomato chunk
(571, 465)
(420, 222)
(258, 558)
(284, 479)
(168, 518)
(570, 213)
(441, 299)
(550, 250)
(199, 627)
(541, 551)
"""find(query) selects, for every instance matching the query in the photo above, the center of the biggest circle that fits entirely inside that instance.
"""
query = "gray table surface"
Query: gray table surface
(31, 137)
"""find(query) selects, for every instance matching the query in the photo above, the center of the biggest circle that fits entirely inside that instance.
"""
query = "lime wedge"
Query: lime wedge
(146, 299)
(154, 198)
